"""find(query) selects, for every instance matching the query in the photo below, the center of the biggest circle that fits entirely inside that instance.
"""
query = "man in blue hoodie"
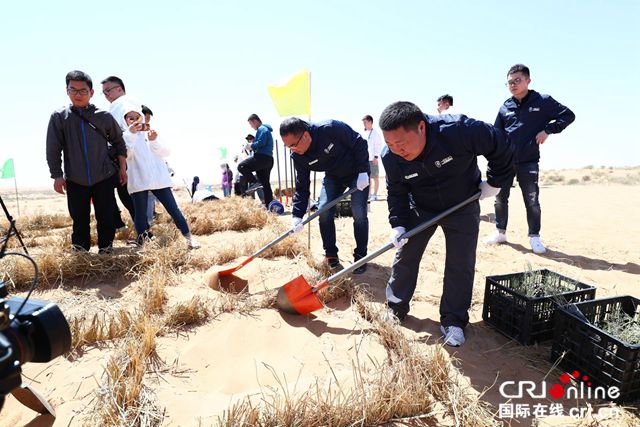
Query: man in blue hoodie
(431, 165)
(529, 118)
(342, 154)
(262, 160)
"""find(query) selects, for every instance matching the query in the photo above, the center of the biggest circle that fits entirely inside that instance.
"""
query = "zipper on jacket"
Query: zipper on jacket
(86, 153)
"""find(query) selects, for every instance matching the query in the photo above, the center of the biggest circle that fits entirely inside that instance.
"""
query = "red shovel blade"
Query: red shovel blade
(298, 297)
(230, 271)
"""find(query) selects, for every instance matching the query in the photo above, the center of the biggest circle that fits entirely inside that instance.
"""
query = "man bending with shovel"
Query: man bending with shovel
(431, 165)
(339, 151)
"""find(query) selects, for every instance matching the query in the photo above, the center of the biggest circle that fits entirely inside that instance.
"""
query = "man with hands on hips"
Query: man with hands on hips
(431, 165)
(340, 152)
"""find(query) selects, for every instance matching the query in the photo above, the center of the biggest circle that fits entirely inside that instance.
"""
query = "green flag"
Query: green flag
(223, 153)
(7, 170)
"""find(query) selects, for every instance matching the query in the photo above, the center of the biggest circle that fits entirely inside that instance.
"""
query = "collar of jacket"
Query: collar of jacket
(526, 99)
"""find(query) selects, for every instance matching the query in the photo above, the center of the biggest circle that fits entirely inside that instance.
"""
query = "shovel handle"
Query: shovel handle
(420, 228)
(308, 219)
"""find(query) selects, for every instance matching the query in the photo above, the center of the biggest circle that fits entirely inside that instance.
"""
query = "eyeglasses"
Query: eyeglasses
(298, 142)
(514, 82)
(72, 91)
(106, 91)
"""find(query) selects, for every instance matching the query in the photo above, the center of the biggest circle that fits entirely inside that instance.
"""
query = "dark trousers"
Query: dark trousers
(125, 198)
(332, 188)
(79, 199)
(260, 164)
(527, 174)
(165, 197)
(461, 239)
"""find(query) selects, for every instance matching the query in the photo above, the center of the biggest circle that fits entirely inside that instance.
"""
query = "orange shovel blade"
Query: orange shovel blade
(298, 297)
(230, 271)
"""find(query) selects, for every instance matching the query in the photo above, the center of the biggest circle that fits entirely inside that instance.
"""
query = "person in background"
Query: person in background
(445, 104)
(528, 117)
(431, 165)
(151, 203)
(148, 172)
(227, 180)
(76, 134)
(262, 160)
(374, 145)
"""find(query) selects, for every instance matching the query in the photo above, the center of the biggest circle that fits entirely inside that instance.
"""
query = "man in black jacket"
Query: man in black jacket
(340, 152)
(431, 165)
(529, 118)
(74, 132)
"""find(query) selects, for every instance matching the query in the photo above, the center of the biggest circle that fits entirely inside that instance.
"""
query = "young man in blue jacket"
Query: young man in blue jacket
(262, 160)
(340, 152)
(431, 165)
(529, 118)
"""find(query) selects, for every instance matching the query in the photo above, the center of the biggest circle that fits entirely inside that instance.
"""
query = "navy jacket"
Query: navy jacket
(335, 149)
(524, 120)
(446, 173)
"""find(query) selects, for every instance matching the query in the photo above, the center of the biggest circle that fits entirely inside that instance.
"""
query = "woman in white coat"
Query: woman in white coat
(147, 171)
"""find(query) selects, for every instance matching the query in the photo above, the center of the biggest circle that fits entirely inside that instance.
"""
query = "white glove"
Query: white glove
(395, 235)
(487, 190)
(296, 224)
(363, 181)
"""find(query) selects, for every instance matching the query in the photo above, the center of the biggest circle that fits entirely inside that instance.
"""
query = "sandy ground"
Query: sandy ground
(591, 231)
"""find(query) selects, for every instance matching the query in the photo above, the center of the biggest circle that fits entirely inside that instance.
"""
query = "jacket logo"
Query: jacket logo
(534, 109)
(510, 113)
(413, 175)
(326, 150)
(440, 163)
(313, 162)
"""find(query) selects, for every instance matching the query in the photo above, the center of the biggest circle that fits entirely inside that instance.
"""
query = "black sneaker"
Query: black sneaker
(253, 187)
(333, 263)
(105, 251)
(146, 236)
(360, 269)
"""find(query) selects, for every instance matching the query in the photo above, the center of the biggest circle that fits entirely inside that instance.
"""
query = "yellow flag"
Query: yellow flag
(294, 97)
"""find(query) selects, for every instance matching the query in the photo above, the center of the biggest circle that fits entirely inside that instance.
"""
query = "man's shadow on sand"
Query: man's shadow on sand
(580, 261)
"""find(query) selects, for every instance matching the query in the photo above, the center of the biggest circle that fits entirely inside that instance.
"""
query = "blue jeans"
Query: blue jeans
(333, 187)
(165, 197)
(527, 174)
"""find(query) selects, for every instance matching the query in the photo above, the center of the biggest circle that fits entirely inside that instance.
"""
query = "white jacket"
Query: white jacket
(146, 168)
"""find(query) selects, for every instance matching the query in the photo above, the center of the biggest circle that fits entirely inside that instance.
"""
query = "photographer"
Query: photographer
(73, 135)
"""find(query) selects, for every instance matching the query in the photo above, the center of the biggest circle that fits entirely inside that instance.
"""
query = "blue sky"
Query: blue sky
(203, 67)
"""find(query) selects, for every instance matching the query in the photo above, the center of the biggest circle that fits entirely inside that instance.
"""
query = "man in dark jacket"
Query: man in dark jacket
(529, 118)
(75, 132)
(340, 152)
(431, 165)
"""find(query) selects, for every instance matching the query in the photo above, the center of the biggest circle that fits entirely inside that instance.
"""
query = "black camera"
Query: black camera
(30, 331)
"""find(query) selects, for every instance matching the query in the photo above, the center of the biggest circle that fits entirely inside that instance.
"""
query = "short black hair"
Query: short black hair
(446, 98)
(401, 114)
(79, 76)
(293, 126)
(519, 68)
(146, 110)
(254, 117)
(368, 118)
(116, 80)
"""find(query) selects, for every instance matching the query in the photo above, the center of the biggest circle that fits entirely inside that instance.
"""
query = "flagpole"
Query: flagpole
(15, 185)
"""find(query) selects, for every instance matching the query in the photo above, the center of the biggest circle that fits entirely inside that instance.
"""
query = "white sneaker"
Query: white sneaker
(536, 245)
(191, 242)
(496, 238)
(453, 335)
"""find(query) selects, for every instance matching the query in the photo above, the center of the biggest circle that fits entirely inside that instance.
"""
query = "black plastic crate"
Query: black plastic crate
(343, 208)
(605, 359)
(524, 318)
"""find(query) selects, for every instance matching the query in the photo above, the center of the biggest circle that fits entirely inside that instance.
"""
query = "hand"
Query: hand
(152, 135)
(296, 224)
(374, 162)
(395, 235)
(487, 190)
(60, 185)
(363, 181)
(541, 137)
(123, 177)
